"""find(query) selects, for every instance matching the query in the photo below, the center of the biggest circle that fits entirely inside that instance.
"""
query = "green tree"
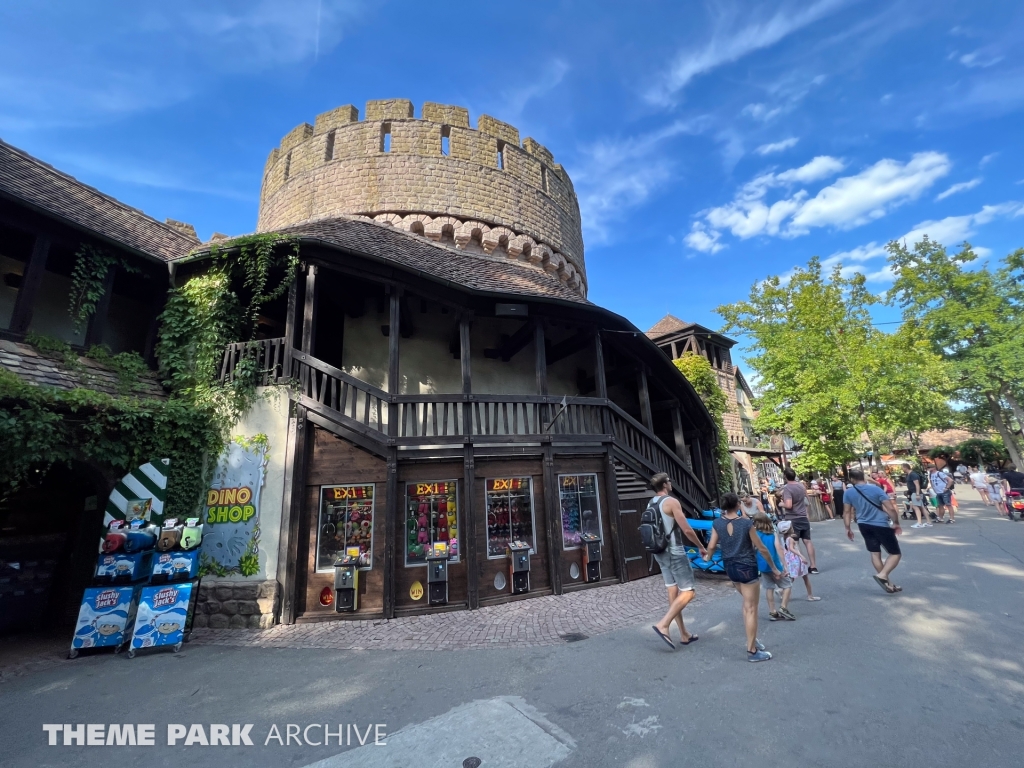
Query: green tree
(701, 376)
(972, 317)
(982, 452)
(827, 374)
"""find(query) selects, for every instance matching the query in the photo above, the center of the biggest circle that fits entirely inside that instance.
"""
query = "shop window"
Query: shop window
(431, 515)
(581, 508)
(346, 520)
(509, 514)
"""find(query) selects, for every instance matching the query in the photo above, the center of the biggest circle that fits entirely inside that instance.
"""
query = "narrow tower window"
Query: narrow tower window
(501, 155)
(287, 165)
(446, 133)
(385, 137)
(544, 178)
(329, 149)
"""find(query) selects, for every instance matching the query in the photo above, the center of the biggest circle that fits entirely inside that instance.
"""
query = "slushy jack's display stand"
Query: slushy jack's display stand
(144, 589)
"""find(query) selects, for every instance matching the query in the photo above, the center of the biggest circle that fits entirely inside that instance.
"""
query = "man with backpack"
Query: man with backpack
(942, 484)
(662, 528)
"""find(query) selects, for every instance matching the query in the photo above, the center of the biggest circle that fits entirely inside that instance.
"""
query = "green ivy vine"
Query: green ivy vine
(42, 426)
(92, 264)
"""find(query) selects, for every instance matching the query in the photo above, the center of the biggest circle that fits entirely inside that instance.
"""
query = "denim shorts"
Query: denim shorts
(741, 573)
(945, 498)
(676, 569)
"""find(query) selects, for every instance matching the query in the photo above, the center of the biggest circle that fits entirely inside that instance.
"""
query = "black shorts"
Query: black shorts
(742, 573)
(878, 536)
(802, 526)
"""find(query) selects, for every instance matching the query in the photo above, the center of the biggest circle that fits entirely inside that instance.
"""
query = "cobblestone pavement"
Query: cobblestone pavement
(534, 622)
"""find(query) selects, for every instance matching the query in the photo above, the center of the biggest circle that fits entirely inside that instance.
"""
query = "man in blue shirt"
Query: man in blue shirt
(874, 511)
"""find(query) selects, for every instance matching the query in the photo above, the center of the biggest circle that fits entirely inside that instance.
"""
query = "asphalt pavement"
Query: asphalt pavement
(929, 677)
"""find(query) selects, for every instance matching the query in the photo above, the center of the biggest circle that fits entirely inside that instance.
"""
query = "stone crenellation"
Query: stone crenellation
(436, 176)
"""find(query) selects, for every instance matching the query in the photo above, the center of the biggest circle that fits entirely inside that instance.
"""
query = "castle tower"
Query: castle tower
(479, 189)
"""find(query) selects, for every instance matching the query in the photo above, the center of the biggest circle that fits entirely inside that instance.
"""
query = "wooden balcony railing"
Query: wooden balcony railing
(266, 355)
(447, 418)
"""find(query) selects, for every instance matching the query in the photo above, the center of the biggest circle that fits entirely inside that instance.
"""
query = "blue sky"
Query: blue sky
(711, 144)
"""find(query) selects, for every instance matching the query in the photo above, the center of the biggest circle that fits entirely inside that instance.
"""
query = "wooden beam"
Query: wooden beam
(677, 429)
(309, 311)
(611, 492)
(565, 348)
(21, 317)
(290, 318)
(392, 513)
(469, 523)
(553, 519)
(645, 399)
(291, 515)
(513, 344)
(675, 351)
(541, 358)
(98, 322)
(600, 380)
(395, 321)
(464, 355)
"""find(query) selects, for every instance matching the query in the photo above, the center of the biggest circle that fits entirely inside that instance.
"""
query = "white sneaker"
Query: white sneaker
(918, 525)
(927, 525)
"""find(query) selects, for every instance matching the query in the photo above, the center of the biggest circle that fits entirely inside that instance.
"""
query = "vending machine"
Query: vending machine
(346, 581)
(591, 545)
(437, 574)
(519, 567)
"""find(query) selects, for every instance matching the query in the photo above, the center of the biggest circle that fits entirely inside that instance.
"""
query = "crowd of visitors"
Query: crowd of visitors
(760, 535)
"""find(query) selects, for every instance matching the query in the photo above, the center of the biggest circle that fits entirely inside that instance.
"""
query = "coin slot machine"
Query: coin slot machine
(591, 545)
(346, 581)
(519, 567)
(437, 574)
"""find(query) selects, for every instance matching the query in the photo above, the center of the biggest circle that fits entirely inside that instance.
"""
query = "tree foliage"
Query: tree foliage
(973, 318)
(702, 378)
(827, 375)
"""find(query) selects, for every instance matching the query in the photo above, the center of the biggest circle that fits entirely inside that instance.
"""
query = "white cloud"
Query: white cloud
(961, 187)
(777, 146)
(987, 159)
(700, 239)
(515, 100)
(621, 173)
(728, 44)
(848, 202)
(856, 200)
(950, 231)
(762, 112)
(980, 59)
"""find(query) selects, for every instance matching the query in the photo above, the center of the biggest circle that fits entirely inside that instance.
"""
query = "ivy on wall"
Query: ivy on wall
(42, 426)
(88, 277)
(699, 373)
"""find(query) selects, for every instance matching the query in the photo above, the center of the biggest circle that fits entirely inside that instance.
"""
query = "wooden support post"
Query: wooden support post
(296, 464)
(599, 377)
(309, 311)
(469, 521)
(394, 505)
(677, 429)
(21, 317)
(289, 327)
(469, 526)
(392, 511)
(675, 351)
(98, 322)
(552, 511)
(645, 399)
(541, 357)
(611, 492)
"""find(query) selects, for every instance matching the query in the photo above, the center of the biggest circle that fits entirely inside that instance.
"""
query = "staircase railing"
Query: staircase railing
(267, 356)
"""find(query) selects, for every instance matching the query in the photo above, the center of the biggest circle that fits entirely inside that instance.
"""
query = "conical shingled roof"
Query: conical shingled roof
(667, 324)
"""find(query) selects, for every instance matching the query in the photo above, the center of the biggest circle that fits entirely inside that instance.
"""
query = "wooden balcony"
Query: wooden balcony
(366, 412)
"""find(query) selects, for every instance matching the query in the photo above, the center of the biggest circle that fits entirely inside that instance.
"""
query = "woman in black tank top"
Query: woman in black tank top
(740, 542)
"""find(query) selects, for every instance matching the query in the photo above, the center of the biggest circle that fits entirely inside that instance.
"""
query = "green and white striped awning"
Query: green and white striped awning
(146, 482)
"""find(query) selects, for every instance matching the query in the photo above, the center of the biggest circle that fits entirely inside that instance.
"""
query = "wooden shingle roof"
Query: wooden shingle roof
(31, 182)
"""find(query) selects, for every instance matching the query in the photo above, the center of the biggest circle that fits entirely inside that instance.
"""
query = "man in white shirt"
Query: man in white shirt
(980, 484)
(942, 484)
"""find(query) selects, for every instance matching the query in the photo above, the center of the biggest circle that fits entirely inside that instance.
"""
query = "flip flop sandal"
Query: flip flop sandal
(664, 637)
(693, 639)
(883, 583)
(895, 588)
(813, 599)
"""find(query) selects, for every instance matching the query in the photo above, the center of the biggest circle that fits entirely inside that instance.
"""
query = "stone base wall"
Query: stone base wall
(227, 604)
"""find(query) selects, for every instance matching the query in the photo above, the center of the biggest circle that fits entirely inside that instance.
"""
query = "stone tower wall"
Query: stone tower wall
(526, 209)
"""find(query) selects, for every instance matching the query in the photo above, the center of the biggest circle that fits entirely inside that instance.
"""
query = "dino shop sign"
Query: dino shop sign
(231, 528)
